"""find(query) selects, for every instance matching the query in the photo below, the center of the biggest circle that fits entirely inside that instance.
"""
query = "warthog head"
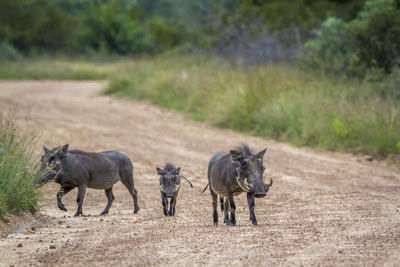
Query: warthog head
(170, 180)
(250, 169)
(51, 166)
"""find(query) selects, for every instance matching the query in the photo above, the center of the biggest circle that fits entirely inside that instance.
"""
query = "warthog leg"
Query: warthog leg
(129, 185)
(110, 198)
(164, 202)
(172, 204)
(226, 211)
(63, 191)
(233, 208)
(250, 202)
(221, 200)
(215, 203)
(79, 199)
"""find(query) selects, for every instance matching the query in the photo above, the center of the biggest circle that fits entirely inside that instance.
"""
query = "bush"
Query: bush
(8, 52)
(18, 170)
(110, 28)
(369, 42)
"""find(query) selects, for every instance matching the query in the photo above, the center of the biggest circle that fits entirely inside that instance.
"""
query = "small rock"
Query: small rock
(40, 240)
(101, 219)
(52, 247)
(368, 158)
(33, 228)
(27, 237)
(19, 245)
(340, 250)
(60, 222)
(68, 226)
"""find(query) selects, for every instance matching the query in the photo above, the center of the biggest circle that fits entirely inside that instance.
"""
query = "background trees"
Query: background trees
(338, 36)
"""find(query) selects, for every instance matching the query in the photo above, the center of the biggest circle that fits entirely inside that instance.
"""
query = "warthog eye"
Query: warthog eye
(52, 159)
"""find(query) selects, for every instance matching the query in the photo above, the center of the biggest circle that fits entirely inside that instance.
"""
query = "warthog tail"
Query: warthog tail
(205, 188)
(187, 180)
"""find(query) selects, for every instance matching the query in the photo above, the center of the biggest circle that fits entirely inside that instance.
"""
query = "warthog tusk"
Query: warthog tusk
(161, 189)
(237, 180)
(246, 184)
(270, 183)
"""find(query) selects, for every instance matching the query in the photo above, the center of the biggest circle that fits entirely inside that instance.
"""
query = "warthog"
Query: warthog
(230, 174)
(170, 183)
(75, 168)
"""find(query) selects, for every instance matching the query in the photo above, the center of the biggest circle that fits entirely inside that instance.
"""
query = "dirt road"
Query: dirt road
(323, 209)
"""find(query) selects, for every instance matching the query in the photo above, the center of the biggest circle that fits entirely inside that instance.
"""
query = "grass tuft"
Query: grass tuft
(18, 170)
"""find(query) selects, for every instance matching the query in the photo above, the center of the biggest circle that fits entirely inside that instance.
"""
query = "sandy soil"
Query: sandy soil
(323, 209)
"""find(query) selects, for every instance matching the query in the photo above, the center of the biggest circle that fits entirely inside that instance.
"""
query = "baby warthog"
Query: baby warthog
(230, 174)
(170, 182)
(75, 168)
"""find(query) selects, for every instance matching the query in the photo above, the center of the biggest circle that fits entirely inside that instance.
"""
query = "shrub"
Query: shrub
(8, 52)
(18, 170)
(369, 42)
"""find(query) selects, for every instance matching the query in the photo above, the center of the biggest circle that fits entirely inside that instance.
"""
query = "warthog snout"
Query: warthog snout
(260, 194)
(170, 194)
(263, 191)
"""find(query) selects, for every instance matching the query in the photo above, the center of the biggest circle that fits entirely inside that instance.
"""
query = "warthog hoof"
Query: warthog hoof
(104, 213)
(78, 214)
(230, 223)
(61, 207)
(136, 210)
(254, 222)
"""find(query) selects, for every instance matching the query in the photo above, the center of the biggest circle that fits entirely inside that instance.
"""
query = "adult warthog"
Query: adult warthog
(230, 174)
(170, 183)
(75, 168)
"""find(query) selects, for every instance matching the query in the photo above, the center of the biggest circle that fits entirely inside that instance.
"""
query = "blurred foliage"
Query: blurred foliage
(367, 44)
(137, 27)
(340, 36)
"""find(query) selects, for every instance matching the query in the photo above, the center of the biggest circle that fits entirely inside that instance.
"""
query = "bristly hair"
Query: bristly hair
(244, 149)
(169, 167)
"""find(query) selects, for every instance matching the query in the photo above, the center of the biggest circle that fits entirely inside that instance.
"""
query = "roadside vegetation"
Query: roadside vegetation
(51, 69)
(18, 170)
(323, 73)
(275, 101)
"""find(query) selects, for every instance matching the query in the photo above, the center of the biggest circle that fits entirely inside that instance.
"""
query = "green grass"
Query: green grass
(39, 69)
(279, 102)
(18, 192)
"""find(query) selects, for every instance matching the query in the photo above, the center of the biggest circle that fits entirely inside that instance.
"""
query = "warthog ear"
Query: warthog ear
(45, 149)
(261, 153)
(176, 172)
(236, 156)
(160, 172)
(64, 149)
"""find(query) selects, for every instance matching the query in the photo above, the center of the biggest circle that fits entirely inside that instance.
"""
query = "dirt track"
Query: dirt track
(323, 209)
